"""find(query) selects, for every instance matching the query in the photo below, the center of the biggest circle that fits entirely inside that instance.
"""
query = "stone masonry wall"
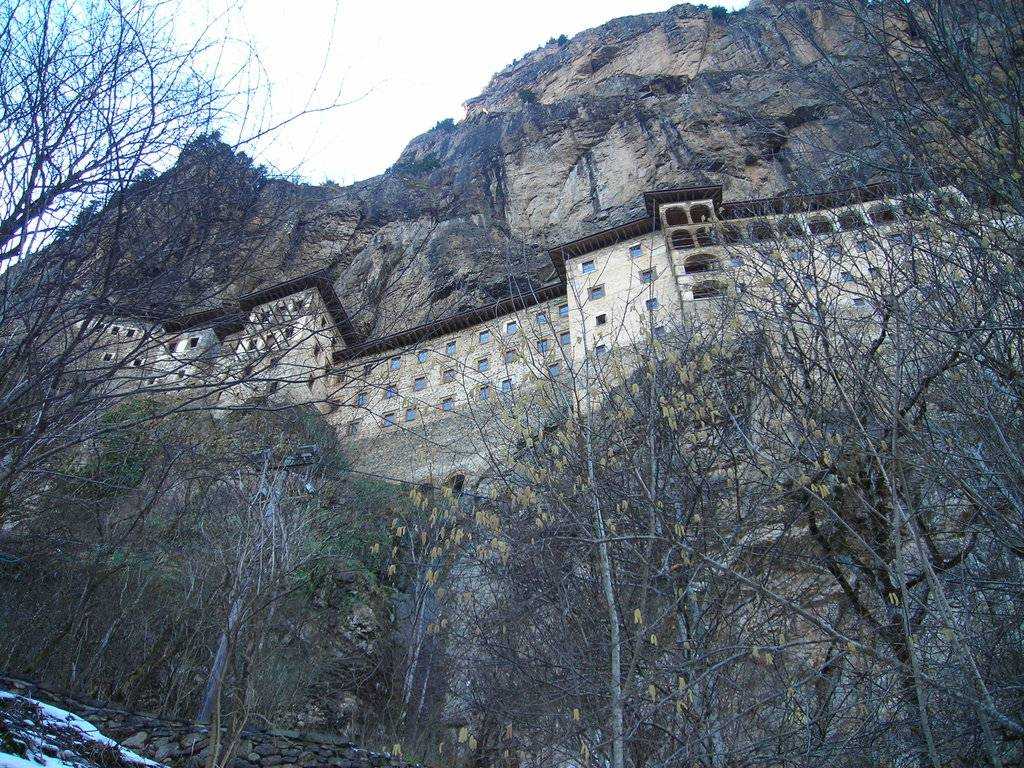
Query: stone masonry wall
(183, 744)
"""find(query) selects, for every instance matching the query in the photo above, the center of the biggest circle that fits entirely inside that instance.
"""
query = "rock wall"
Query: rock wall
(182, 744)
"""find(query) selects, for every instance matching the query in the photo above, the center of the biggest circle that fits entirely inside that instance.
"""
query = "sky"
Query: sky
(397, 67)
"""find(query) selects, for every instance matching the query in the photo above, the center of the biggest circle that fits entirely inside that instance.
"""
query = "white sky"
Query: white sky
(402, 65)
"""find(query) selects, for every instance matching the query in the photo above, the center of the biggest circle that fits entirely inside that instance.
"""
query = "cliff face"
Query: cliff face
(561, 143)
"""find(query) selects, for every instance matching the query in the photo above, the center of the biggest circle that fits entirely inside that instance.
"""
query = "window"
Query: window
(819, 226)
(807, 280)
(563, 310)
(410, 414)
(859, 301)
(511, 327)
(449, 348)
(543, 345)
(601, 319)
(510, 355)
(597, 292)
(588, 267)
(421, 356)
(863, 246)
(447, 404)
(390, 392)
(601, 350)
(115, 329)
(361, 399)
(659, 332)
(352, 428)
(652, 304)
(448, 376)
(136, 362)
(108, 357)
(636, 251)
(682, 241)
(564, 338)
(485, 392)
(791, 228)
(506, 385)
(419, 383)
(798, 255)
(874, 272)
(761, 231)
(483, 365)
(485, 336)
(846, 277)
(850, 221)
(554, 369)
(647, 276)
(396, 363)
(129, 333)
(389, 419)
(700, 262)
(542, 318)
(193, 342)
(736, 261)
(708, 289)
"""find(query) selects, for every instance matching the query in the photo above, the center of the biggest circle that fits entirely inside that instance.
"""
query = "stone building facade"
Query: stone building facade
(426, 404)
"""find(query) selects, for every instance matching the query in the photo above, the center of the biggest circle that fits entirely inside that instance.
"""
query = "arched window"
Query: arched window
(700, 262)
(820, 226)
(730, 234)
(675, 217)
(850, 221)
(706, 237)
(456, 483)
(682, 240)
(700, 213)
(760, 231)
(882, 214)
(791, 228)
(709, 289)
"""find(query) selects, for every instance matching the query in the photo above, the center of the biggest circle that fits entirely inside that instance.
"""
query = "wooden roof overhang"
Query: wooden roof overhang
(457, 322)
(654, 199)
(783, 204)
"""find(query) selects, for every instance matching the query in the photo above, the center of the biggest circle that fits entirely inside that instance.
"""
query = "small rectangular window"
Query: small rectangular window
(396, 363)
(506, 385)
(652, 304)
(875, 272)
(129, 333)
(647, 276)
(635, 251)
(389, 419)
(659, 332)
(483, 365)
(510, 356)
(564, 338)
(485, 336)
(361, 399)
(588, 267)
(597, 292)
(485, 392)
(554, 369)
(449, 348)
(419, 383)
(448, 376)
(563, 310)
(846, 277)
(542, 318)
(863, 246)
(543, 345)
(799, 255)
(421, 356)
(859, 302)
(390, 392)
(600, 350)
(352, 429)
(447, 404)
(108, 357)
(194, 341)
(410, 414)
(601, 319)
(736, 261)
(511, 327)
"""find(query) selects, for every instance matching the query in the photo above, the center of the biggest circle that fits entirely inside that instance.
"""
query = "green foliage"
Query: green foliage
(425, 164)
(718, 13)
(527, 96)
(444, 125)
(123, 450)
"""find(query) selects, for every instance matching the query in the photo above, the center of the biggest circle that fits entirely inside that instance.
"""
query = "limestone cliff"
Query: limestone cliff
(561, 143)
